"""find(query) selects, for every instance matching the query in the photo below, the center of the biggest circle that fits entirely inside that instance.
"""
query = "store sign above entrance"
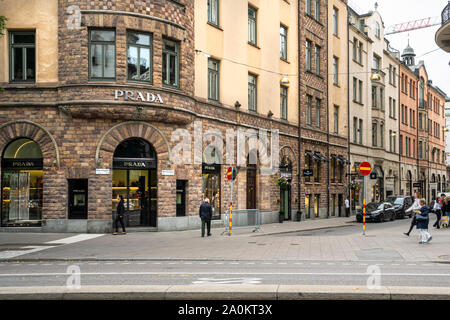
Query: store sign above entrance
(138, 96)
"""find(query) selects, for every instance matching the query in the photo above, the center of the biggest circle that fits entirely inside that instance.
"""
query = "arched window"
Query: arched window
(22, 184)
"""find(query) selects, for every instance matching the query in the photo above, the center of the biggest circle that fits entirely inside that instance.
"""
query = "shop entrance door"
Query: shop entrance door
(78, 198)
(138, 189)
(285, 202)
(251, 187)
(135, 179)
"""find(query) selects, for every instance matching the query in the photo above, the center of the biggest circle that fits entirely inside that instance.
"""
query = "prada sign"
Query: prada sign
(135, 164)
(138, 96)
(22, 163)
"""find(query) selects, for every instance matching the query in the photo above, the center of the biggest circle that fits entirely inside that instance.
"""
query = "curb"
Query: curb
(304, 230)
(224, 292)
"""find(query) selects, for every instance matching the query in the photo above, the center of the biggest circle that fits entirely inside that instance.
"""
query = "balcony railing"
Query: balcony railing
(446, 14)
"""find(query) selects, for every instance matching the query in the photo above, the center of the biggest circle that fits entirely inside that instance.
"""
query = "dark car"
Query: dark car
(401, 204)
(377, 212)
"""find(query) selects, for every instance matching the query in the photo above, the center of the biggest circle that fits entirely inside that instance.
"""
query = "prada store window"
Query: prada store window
(22, 184)
(211, 187)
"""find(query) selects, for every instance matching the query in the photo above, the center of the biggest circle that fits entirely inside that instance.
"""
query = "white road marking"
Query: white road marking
(222, 273)
(32, 249)
(77, 238)
(228, 281)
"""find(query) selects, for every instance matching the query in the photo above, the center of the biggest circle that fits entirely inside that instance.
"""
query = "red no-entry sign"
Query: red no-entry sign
(365, 168)
(229, 173)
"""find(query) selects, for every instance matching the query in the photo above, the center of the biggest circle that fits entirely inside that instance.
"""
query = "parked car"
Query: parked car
(401, 204)
(377, 212)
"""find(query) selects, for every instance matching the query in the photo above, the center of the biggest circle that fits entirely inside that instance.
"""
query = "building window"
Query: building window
(171, 63)
(374, 134)
(394, 108)
(381, 135)
(213, 12)
(382, 98)
(308, 55)
(390, 107)
(283, 42)
(102, 45)
(400, 145)
(355, 130)
(336, 119)
(317, 10)
(252, 25)
(360, 49)
(335, 21)
(377, 30)
(318, 103)
(360, 131)
(309, 110)
(308, 165)
(22, 63)
(394, 76)
(355, 89)
(317, 59)
(252, 92)
(316, 205)
(390, 141)
(376, 63)
(360, 91)
(139, 57)
(308, 8)
(213, 80)
(355, 44)
(374, 98)
(284, 102)
(335, 70)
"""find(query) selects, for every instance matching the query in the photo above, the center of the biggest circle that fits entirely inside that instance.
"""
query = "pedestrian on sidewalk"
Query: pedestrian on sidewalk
(413, 208)
(437, 209)
(205, 213)
(347, 207)
(422, 223)
(120, 209)
(446, 207)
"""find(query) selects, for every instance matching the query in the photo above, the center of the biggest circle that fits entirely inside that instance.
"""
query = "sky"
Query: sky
(422, 40)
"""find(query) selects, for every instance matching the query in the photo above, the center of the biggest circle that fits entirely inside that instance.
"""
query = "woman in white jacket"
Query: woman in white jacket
(416, 206)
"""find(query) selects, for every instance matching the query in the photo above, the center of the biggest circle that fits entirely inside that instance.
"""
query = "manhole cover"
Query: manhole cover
(295, 244)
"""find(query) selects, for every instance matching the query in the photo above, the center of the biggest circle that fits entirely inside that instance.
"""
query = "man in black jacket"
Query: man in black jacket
(119, 218)
(205, 213)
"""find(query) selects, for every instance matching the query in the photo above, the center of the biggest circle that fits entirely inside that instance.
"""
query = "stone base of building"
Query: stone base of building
(76, 226)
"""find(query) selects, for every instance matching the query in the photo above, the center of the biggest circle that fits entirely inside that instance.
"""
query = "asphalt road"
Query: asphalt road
(396, 273)
(376, 266)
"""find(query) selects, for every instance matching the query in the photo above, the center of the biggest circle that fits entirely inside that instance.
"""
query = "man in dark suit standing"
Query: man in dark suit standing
(205, 213)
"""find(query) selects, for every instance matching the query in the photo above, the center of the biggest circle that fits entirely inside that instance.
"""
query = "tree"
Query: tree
(3, 20)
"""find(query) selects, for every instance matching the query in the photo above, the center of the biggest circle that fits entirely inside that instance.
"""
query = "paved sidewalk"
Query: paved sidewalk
(338, 239)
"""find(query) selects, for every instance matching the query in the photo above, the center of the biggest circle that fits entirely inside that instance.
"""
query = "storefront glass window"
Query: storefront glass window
(211, 187)
(22, 184)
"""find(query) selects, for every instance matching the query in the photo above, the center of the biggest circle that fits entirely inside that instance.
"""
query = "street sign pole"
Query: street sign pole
(231, 208)
(364, 205)
(365, 168)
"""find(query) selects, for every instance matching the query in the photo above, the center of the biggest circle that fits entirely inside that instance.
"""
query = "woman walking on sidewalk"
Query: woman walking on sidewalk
(414, 208)
(422, 223)
(437, 209)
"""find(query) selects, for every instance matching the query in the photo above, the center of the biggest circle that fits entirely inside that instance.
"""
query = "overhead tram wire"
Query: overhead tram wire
(276, 72)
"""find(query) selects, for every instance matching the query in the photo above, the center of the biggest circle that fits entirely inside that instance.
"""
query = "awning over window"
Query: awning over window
(343, 160)
(322, 157)
(313, 156)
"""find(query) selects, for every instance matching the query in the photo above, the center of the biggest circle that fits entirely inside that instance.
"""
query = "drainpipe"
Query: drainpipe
(348, 114)
(399, 133)
(328, 120)
(299, 109)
